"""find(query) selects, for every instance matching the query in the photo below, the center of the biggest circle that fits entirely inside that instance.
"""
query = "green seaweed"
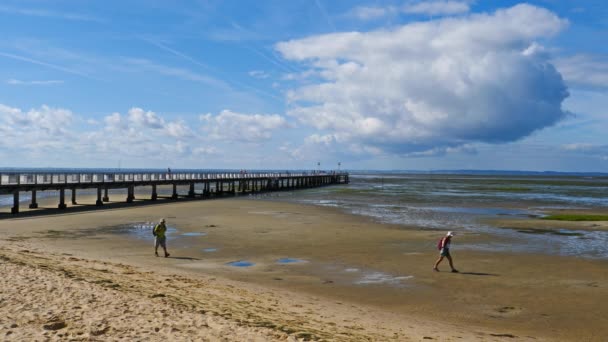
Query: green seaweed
(549, 231)
(576, 217)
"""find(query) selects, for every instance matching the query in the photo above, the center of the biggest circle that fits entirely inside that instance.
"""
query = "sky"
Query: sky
(305, 84)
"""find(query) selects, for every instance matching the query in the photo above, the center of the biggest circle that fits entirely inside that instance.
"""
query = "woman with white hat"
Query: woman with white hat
(444, 251)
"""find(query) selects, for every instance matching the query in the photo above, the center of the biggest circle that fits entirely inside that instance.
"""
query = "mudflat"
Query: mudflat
(313, 273)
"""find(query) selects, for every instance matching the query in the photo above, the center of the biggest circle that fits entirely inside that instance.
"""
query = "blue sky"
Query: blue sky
(443, 84)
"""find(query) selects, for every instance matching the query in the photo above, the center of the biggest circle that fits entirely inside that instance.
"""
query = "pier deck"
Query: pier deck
(213, 183)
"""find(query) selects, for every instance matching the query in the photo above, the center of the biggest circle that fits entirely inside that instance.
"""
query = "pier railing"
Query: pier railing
(63, 178)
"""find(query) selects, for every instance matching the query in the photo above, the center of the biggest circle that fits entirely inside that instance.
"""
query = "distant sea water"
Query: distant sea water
(459, 202)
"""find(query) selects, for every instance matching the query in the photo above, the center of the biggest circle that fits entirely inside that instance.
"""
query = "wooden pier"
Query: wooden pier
(212, 183)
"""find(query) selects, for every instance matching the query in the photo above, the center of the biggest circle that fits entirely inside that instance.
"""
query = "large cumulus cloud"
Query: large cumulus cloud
(433, 84)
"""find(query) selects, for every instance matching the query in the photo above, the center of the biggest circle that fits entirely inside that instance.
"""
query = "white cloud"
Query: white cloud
(52, 121)
(435, 84)
(437, 7)
(145, 119)
(38, 129)
(584, 70)
(139, 122)
(300, 76)
(205, 150)
(57, 133)
(234, 126)
(594, 150)
(178, 129)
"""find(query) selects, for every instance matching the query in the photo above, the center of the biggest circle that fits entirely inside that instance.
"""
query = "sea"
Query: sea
(463, 201)
(467, 203)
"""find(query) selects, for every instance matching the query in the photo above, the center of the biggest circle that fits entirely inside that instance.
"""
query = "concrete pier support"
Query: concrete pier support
(105, 198)
(15, 208)
(99, 201)
(154, 193)
(74, 196)
(61, 199)
(130, 194)
(191, 190)
(174, 195)
(34, 203)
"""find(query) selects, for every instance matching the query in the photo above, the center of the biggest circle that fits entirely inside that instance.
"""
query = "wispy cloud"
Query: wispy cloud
(48, 14)
(196, 62)
(372, 12)
(181, 73)
(176, 53)
(13, 81)
(433, 8)
(438, 7)
(324, 13)
(584, 69)
(44, 64)
(258, 74)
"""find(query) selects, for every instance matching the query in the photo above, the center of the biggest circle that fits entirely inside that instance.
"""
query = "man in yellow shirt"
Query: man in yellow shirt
(160, 237)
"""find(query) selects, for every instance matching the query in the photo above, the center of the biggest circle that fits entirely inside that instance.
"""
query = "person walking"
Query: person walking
(160, 239)
(444, 251)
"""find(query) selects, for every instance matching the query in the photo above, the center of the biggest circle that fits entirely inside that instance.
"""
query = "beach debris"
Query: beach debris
(157, 295)
(504, 335)
(54, 323)
(99, 330)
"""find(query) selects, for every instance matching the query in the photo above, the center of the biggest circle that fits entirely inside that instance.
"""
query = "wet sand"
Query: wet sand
(356, 279)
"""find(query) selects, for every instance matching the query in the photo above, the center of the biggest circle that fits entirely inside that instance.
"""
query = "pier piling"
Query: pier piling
(33, 204)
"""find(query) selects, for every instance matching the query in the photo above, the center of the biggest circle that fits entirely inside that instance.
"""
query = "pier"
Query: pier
(212, 183)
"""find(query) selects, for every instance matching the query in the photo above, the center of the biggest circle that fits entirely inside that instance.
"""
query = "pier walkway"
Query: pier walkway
(212, 183)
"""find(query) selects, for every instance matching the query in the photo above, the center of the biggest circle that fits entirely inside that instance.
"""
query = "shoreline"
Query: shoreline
(501, 293)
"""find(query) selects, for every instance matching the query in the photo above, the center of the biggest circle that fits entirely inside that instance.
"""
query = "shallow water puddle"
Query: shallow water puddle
(141, 230)
(290, 261)
(209, 250)
(194, 234)
(240, 263)
(375, 278)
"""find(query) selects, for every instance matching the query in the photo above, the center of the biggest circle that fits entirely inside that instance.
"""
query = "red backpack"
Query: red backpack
(439, 243)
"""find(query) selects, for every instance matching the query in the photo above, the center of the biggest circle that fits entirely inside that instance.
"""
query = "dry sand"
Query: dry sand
(71, 279)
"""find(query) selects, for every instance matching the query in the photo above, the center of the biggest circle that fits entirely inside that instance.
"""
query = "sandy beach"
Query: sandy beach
(78, 275)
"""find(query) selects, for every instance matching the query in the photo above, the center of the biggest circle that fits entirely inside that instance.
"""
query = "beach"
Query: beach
(314, 273)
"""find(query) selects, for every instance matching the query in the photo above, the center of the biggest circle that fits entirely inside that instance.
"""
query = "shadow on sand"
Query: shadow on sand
(112, 205)
(480, 274)
(183, 258)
